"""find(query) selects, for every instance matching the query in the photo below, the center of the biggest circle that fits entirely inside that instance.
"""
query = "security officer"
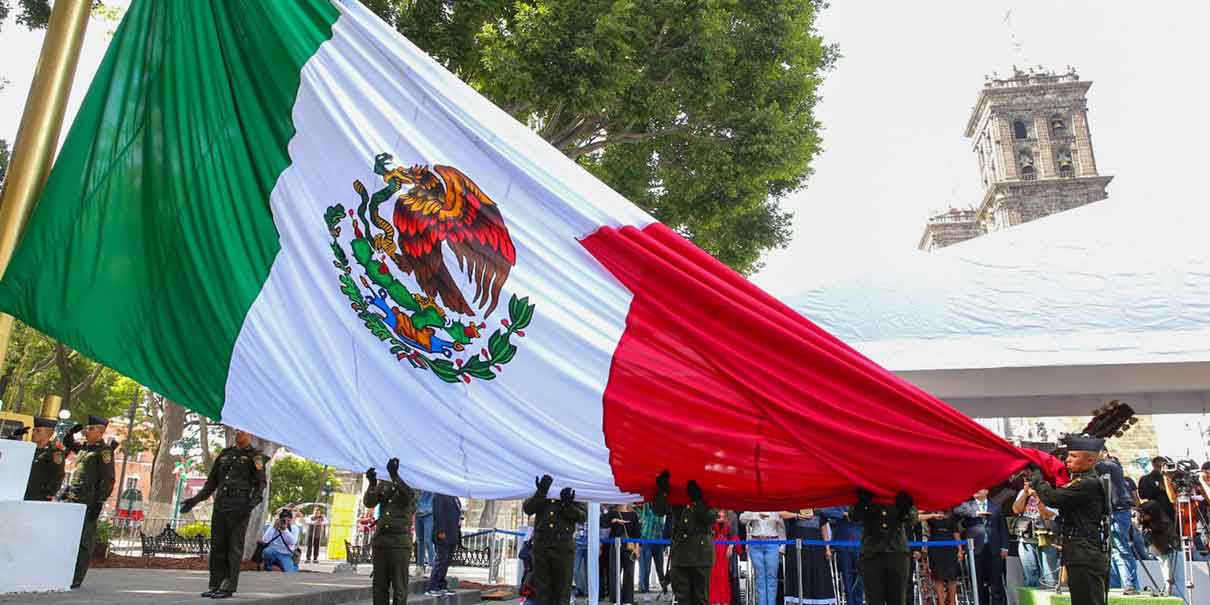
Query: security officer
(554, 544)
(391, 546)
(46, 472)
(1081, 505)
(885, 558)
(238, 474)
(692, 542)
(90, 485)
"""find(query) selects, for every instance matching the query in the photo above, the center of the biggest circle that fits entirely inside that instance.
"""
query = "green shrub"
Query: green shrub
(194, 530)
(104, 532)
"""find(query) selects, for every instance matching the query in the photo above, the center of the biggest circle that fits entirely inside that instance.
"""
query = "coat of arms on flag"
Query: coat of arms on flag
(433, 209)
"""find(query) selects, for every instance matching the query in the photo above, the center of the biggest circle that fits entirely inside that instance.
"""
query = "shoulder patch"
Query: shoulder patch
(259, 462)
(56, 457)
(106, 456)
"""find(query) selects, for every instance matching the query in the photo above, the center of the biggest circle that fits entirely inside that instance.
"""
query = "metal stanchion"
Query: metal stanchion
(974, 575)
(493, 559)
(798, 566)
(617, 561)
(750, 581)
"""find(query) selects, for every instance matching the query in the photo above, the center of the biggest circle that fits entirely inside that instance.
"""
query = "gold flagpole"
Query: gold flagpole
(38, 136)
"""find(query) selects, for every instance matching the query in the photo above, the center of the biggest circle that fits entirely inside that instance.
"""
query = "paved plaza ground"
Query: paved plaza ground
(315, 585)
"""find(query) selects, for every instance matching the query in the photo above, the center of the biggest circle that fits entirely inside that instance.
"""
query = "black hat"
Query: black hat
(45, 423)
(97, 420)
(1084, 443)
(1206, 466)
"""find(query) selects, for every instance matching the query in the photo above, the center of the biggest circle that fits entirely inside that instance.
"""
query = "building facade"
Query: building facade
(1032, 141)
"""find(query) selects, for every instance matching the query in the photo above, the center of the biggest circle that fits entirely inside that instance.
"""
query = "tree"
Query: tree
(171, 426)
(37, 365)
(702, 113)
(297, 480)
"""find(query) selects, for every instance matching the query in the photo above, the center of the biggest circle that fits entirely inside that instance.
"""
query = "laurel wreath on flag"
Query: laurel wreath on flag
(484, 365)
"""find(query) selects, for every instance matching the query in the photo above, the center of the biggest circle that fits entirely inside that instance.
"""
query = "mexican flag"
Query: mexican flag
(288, 218)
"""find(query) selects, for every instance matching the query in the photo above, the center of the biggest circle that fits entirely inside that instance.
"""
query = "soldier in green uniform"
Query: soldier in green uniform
(90, 485)
(554, 545)
(46, 472)
(885, 557)
(391, 546)
(1081, 505)
(692, 542)
(238, 475)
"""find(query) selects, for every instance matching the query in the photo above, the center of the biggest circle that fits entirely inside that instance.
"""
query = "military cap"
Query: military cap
(45, 423)
(97, 420)
(1084, 443)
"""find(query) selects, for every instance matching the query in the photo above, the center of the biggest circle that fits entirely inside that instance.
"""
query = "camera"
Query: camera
(1183, 473)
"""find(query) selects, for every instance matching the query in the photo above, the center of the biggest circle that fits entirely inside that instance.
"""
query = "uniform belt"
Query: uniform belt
(555, 536)
(1076, 532)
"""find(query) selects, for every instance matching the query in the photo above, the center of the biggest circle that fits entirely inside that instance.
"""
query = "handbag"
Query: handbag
(258, 555)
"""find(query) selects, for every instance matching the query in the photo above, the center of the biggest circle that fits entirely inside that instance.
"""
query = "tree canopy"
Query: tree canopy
(298, 480)
(699, 111)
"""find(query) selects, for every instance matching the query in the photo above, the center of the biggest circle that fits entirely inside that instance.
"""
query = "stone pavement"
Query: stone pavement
(155, 586)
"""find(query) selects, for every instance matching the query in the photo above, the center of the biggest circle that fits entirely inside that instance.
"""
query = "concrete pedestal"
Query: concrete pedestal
(38, 540)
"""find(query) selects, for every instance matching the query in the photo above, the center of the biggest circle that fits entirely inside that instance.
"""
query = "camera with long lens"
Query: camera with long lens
(1183, 474)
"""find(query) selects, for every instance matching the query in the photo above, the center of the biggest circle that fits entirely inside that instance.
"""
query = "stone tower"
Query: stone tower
(1030, 135)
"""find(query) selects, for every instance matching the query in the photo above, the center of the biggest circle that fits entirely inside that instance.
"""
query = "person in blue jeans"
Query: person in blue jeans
(765, 558)
(425, 550)
(1124, 572)
(845, 530)
(280, 538)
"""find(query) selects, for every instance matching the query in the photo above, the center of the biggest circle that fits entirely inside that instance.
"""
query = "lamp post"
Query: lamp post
(181, 470)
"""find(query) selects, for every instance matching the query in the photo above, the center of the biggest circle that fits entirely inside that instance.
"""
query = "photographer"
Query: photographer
(280, 540)
(1163, 540)
(1035, 527)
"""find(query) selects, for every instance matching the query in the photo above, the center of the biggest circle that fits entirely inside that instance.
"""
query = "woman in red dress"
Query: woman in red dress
(720, 574)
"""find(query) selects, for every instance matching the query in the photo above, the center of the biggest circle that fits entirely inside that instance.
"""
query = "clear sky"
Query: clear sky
(895, 106)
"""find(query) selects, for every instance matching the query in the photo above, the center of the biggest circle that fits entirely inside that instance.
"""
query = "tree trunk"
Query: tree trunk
(64, 364)
(487, 518)
(256, 522)
(163, 481)
(203, 430)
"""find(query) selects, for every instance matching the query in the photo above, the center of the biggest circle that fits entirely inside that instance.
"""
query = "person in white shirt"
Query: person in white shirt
(765, 558)
(280, 540)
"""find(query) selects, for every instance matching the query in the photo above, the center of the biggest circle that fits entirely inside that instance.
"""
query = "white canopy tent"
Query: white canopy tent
(1052, 317)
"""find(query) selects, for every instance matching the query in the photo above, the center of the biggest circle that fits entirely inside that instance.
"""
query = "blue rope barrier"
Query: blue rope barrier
(664, 541)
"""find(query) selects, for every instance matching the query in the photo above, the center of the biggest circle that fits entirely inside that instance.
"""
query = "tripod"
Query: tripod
(1187, 514)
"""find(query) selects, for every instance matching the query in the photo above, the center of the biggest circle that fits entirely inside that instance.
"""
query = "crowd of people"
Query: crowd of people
(1163, 516)
(1013, 522)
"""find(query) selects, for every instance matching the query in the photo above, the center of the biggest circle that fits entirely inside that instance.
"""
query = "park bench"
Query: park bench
(168, 542)
(356, 555)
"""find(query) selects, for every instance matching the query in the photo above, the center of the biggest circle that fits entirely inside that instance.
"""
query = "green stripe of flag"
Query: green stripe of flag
(153, 236)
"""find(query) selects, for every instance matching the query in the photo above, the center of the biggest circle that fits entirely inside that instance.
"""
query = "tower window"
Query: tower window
(1057, 127)
(1067, 167)
(1025, 160)
(1019, 130)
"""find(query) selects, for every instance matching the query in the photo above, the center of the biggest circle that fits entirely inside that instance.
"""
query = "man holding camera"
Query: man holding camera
(280, 539)
(1081, 504)
(392, 543)
(554, 546)
(238, 475)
